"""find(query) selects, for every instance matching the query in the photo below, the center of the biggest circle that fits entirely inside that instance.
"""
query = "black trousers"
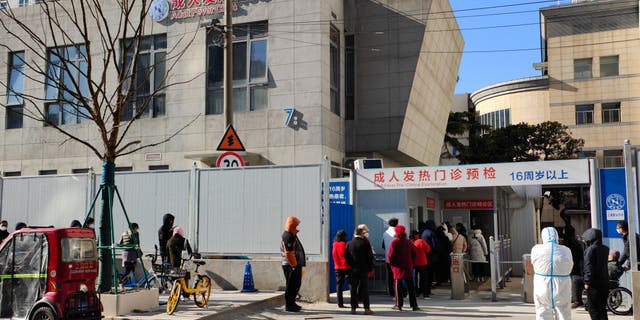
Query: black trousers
(390, 284)
(359, 289)
(423, 281)
(597, 302)
(293, 276)
(577, 286)
(408, 281)
(341, 276)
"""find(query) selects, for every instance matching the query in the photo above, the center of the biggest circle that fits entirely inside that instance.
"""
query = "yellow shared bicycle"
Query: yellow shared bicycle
(201, 287)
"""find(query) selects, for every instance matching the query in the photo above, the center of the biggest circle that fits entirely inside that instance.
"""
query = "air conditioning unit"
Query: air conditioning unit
(367, 164)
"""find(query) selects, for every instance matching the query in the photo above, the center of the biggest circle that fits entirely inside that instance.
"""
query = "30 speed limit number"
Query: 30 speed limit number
(230, 159)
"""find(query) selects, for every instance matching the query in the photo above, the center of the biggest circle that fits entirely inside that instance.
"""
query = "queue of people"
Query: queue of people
(414, 263)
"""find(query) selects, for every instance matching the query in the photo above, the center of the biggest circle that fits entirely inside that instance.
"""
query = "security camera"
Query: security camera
(547, 194)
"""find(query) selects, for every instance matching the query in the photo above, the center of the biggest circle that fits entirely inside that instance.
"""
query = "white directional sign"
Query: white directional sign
(490, 174)
(230, 159)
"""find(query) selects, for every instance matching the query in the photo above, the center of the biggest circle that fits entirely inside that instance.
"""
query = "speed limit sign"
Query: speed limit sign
(230, 159)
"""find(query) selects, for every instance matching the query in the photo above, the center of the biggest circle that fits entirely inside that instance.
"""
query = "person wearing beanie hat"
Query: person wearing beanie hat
(401, 256)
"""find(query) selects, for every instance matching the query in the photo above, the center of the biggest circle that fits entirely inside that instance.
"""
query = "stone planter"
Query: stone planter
(127, 301)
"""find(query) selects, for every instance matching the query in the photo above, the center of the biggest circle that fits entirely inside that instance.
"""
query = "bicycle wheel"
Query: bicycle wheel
(154, 282)
(203, 291)
(619, 301)
(174, 297)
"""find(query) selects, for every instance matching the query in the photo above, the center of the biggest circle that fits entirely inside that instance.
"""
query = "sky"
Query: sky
(502, 40)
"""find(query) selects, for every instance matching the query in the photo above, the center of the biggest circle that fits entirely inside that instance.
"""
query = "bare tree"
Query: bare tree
(89, 56)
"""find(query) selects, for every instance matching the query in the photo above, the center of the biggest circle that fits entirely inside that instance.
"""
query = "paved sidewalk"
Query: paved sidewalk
(222, 305)
(265, 305)
(477, 305)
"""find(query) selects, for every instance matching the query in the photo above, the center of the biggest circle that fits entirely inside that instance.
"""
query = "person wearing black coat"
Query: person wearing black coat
(429, 236)
(164, 234)
(359, 256)
(577, 253)
(623, 228)
(596, 275)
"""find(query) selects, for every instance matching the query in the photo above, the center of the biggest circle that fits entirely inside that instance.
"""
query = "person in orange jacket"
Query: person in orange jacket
(293, 260)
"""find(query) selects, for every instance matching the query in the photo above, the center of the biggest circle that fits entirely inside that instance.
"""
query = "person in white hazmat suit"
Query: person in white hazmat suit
(552, 265)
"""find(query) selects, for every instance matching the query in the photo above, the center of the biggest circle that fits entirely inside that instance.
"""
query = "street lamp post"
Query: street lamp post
(228, 65)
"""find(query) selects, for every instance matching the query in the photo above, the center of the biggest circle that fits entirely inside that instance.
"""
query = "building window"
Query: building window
(613, 159)
(496, 119)
(250, 78)
(582, 68)
(66, 86)
(3, 4)
(23, 3)
(608, 66)
(47, 172)
(349, 77)
(334, 36)
(584, 114)
(159, 167)
(15, 90)
(611, 112)
(123, 169)
(81, 170)
(12, 174)
(149, 77)
(587, 155)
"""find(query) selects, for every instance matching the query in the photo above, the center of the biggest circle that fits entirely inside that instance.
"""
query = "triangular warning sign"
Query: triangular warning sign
(230, 141)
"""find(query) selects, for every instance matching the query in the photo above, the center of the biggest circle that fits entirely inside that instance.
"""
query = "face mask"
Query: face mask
(90, 226)
(366, 234)
(3, 228)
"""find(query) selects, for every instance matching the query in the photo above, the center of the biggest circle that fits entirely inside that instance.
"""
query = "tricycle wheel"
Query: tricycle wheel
(43, 313)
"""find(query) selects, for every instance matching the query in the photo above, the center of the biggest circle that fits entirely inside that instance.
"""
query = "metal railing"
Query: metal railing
(500, 260)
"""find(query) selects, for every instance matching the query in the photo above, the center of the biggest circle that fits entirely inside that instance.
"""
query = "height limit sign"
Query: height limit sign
(230, 141)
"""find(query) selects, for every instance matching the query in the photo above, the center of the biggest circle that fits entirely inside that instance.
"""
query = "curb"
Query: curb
(247, 309)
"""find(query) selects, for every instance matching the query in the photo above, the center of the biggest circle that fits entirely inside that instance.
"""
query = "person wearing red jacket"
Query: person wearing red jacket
(341, 266)
(401, 257)
(423, 281)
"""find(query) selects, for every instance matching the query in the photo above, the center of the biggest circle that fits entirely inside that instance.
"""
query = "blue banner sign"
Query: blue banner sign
(339, 192)
(614, 200)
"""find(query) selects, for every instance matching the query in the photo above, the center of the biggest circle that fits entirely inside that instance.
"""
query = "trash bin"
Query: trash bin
(527, 279)
(457, 276)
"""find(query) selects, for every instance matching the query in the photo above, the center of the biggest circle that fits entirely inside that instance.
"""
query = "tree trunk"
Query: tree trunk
(105, 271)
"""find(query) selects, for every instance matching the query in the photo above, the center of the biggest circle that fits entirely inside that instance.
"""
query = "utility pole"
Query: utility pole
(228, 65)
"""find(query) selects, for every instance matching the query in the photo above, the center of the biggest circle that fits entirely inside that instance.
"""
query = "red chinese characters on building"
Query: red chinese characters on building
(489, 173)
(393, 177)
(473, 174)
(378, 177)
(456, 174)
(177, 4)
(424, 175)
(408, 176)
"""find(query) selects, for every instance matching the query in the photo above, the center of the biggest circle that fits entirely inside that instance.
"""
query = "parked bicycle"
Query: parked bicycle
(156, 278)
(201, 289)
(161, 271)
